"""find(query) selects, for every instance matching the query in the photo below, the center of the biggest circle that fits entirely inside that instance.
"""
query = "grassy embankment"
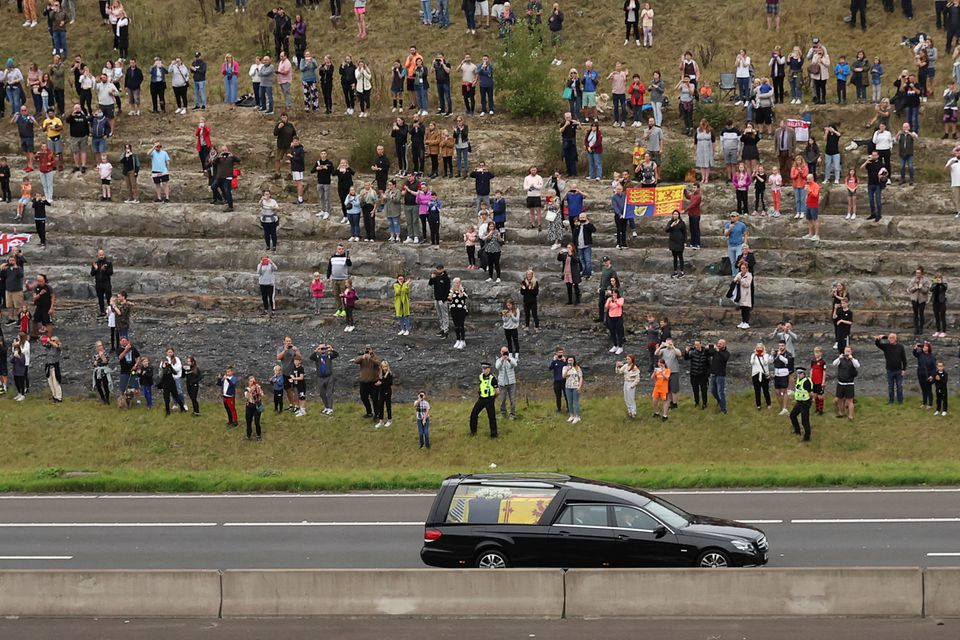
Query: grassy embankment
(83, 446)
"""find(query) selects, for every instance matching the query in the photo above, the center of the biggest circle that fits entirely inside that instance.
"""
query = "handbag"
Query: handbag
(567, 93)
(469, 148)
(551, 215)
(260, 407)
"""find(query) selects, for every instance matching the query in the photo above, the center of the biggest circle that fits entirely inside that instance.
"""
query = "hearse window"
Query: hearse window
(632, 518)
(584, 515)
(669, 514)
(487, 504)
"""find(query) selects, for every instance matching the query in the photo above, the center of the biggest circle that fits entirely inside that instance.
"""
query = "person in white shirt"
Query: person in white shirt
(180, 81)
(176, 366)
(883, 143)
(468, 83)
(254, 74)
(533, 186)
(743, 73)
(107, 94)
(953, 164)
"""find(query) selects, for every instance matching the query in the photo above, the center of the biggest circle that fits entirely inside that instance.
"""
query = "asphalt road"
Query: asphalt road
(820, 527)
(482, 629)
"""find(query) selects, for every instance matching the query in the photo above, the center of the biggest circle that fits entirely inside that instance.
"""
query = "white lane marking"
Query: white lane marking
(675, 492)
(760, 521)
(36, 557)
(322, 524)
(873, 520)
(112, 525)
(943, 555)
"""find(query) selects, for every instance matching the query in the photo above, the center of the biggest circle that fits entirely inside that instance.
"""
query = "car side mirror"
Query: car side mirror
(660, 531)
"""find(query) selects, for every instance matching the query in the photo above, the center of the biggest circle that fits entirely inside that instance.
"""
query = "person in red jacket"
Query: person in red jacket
(818, 376)
(202, 134)
(635, 93)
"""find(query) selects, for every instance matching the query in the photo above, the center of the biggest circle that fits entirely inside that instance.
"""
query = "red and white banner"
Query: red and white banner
(10, 240)
(801, 129)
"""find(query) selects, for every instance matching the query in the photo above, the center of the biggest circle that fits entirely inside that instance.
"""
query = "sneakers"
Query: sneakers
(743, 325)
(349, 328)
(378, 424)
(612, 349)
(299, 413)
(797, 216)
(618, 351)
(808, 237)
(815, 238)
(783, 412)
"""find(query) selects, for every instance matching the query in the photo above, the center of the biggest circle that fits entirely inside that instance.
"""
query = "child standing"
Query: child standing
(299, 381)
(422, 409)
(433, 219)
(940, 385)
(646, 23)
(818, 376)
(112, 323)
(842, 71)
(144, 373)
(276, 383)
(759, 189)
(5, 195)
(741, 184)
(876, 77)
(349, 299)
(852, 185)
(228, 391)
(775, 180)
(470, 242)
(661, 388)
(26, 197)
(316, 292)
(401, 304)
(40, 204)
(105, 171)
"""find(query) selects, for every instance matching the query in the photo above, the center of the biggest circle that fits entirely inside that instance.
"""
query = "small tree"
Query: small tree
(676, 162)
(525, 84)
(716, 113)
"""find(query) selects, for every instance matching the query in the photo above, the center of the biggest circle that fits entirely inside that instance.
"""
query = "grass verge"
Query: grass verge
(82, 446)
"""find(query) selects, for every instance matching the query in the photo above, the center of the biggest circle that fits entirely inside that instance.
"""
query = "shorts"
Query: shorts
(659, 396)
(534, 202)
(359, 10)
(483, 8)
(301, 392)
(818, 389)
(410, 85)
(730, 156)
(80, 145)
(24, 201)
(55, 144)
(764, 115)
(105, 181)
(845, 391)
(931, 72)
(41, 317)
(773, 9)
(851, 194)
(950, 115)
(99, 145)
(589, 99)
(286, 383)
(14, 299)
(297, 175)
(812, 214)
(108, 110)
(674, 384)
(160, 178)
(780, 382)
(26, 145)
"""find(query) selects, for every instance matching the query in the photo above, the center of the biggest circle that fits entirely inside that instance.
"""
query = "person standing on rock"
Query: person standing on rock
(324, 170)
(323, 356)
(486, 400)
(401, 304)
(285, 357)
(267, 277)
(381, 168)
(123, 309)
(529, 292)
(919, 290)
(409, 189)
(743, 294)
(338, 272)
(223, 166)
(440, 282)
(458, 312)
(297, 161)
(369, 365)
(737, 235)
(102, 272)
(284, 132)
(269, 219)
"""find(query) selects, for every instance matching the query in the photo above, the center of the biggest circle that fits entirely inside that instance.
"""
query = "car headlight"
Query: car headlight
(743, 545)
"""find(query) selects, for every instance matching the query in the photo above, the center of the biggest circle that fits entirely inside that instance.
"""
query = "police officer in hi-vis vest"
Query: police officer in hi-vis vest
(801, 393)
(487, 400)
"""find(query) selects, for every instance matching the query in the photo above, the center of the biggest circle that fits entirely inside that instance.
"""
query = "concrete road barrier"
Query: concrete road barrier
(412, 592)
(941, 592)
(110, 593)
(746, 592)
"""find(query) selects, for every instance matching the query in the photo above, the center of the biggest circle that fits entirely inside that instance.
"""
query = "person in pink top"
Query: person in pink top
(618, 89)
(284, 78)
(423, 203)
(741, 183)
(317, 292)
(614, 311)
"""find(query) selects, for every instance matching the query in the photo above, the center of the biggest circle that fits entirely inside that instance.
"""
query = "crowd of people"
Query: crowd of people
(413, 208)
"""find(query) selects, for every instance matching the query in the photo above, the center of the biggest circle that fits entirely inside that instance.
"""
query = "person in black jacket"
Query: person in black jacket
(102, 271)
(169, 387)
(418, 150)
(440, 281)
(399, 134)
(282, 27)
(582, 231)
(482, 178)
(348, 82)
(325, 78)
(699, 371)
(297, 166)
(677, 230)
(381, 168)
(895, 358)
(193, 376)
(718, 356)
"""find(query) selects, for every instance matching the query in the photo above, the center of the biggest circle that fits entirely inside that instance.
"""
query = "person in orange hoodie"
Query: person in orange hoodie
(798, 179)
(410, 64)
(661, 390)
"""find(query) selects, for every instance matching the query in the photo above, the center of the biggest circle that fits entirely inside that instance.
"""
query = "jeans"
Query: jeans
(443, 11)
(876, 199)
(619, 107)
(200, 93)
(800, 197)
(354, 219)
(463, 161)
(570, 156)
(471, 20)
(743, 89)
(427, 12)
(796, 87)
(895, 382)
(595, 161)
(732, 252)
(230, 89)
(323, 195)
(586, 261)
(657, 113)
(393, 225)
(405, 324)
(486, 99)
(46, 179)
(423, 426)
(906, 162)
(422, 97)
(573, 401)
(926, 391)
(13, 97)
(508, 392)
(446, 102)
(913, 117)
(224, 185)
(833, 164)
(575, 107)
(718, 389)
(60, 43)
(266, 98)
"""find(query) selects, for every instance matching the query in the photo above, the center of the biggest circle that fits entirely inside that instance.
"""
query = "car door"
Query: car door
(581, 536)
(642, 540)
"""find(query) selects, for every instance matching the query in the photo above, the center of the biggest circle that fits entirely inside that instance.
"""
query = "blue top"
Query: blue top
(590, 80)
(842, 71)
(737, 230)
(574, 204)
(876, 73)
(157, 74)
(277, 382)
(159, 161)
(499, 209)
(486, 75)
(556, 366)
(618, 202)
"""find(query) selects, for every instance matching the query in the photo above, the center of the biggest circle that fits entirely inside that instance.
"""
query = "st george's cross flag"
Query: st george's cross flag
(10, 240)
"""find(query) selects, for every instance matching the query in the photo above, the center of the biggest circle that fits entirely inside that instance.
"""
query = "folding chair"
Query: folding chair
(727, 86)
